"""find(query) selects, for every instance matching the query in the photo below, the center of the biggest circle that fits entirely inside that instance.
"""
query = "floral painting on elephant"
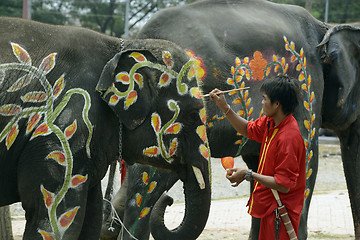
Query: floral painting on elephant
(256, 68)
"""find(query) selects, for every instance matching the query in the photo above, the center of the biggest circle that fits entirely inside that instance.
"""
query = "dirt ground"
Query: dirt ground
(329, 214)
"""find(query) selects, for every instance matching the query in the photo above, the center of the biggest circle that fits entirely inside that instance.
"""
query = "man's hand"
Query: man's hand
(219, 98)
(237, 176)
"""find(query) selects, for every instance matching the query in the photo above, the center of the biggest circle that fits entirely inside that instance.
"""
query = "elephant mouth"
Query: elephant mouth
(199, 177)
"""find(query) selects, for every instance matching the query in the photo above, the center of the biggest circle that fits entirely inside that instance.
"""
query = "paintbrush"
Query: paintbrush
(227, 91)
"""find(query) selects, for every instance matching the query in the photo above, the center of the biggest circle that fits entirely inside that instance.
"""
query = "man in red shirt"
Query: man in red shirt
(282, 156)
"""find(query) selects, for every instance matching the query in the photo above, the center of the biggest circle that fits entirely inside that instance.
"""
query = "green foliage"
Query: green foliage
(11, 8)
(108, 16)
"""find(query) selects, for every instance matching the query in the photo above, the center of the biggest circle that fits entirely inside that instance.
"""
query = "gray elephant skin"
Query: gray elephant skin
(241, 42)
(69, 98)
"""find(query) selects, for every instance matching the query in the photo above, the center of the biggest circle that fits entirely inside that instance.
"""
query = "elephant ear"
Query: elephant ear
(122, 86)
(340, 49)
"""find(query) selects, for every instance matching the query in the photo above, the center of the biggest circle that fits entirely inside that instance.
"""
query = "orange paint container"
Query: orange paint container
(227, 162)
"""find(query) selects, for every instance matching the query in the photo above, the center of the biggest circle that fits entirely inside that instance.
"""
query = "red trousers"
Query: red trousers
(267, 227)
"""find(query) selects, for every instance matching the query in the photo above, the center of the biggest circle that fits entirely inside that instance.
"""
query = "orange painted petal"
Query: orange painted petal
(144, 212)
(57, 156)
(46, 235)
(312, 133)
(230, 81)
(304, 87)
(43, 130)
(77, 180)
(123, 77)
(310, 156)
(114, 99)
(138, 57)
(301, 53)
(204, 151)
(292, 46)
(21, 54)
(34, 97)
(48, 197)
(237, 61)
(139, 199)
(246, 60)
(152, 187)
(238, 142)
(312, 118)
(203, 115)
(12, 136)
(151, 151)
(145, 177)
(174, 129)
(301, 76)
(238, 78)
(10, 109)
(250, 112)
(20, 83)
(241, 112)
(237, 101)
(130, 99)
(307, 192)
(48, 63)
(33, 120)
(293, 58)
(195, 92)
(248, 102)
(306, 105)
(201, 131)
(139, 79)
(173, 147)
(164, 80)
(312, 97)
(308, 174)
(227, 162)
(67, 218)
(298, 67)
(156, 122)
(59, 86)
(309, 80)
(167, 59)
(307, 125)
(70, 130)
(232, 70)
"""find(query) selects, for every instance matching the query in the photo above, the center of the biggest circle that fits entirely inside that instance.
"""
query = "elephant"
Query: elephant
(240, 43)
(73, 101)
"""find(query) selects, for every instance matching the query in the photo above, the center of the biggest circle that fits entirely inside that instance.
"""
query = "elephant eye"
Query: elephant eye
(331, 56)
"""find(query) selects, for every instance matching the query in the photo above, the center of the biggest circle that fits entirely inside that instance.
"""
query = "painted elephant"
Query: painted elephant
(125, 222)
(240, 43)
(72, 101)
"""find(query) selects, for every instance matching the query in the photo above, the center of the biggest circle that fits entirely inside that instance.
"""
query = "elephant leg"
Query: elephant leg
(111, 228)
(93, 214)
(50, 208)
(350, 151)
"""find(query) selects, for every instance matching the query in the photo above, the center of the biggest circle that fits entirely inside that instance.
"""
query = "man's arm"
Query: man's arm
(238, 175)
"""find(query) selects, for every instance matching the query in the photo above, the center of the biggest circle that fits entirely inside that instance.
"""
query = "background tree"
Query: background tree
(5, 224)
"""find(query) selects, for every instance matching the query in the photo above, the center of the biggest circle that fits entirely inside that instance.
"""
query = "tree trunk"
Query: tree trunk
(308, 5)
(5, 224)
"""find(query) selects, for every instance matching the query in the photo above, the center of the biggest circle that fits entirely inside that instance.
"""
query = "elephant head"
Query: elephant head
(341, 56)
(157, 99)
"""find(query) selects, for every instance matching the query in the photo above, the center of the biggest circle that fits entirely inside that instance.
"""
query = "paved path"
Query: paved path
(329, 214)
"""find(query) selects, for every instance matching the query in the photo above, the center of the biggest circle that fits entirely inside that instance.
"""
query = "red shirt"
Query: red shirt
(282, 155)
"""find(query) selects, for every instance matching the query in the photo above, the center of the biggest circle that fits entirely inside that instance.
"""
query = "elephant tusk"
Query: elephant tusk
(199, 177)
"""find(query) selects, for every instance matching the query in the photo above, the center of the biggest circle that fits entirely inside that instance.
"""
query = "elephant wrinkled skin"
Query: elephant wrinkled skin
(69, 98)
(241, 42)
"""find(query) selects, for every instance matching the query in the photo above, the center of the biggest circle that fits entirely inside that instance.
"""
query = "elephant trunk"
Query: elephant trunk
(197, 206)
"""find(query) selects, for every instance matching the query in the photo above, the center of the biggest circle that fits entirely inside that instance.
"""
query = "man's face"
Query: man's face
(270, 109)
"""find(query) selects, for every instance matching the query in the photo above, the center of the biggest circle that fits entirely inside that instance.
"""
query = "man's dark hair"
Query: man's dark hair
(282, 89)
